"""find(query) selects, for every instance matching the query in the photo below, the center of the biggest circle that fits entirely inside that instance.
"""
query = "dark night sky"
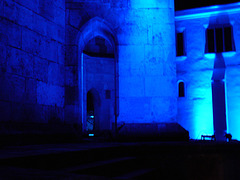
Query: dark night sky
(188, 4)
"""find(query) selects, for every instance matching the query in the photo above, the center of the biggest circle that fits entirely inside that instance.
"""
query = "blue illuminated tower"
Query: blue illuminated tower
(147, 74)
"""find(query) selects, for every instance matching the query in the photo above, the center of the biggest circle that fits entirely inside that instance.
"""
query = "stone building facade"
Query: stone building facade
(100, 63)
(207, 108)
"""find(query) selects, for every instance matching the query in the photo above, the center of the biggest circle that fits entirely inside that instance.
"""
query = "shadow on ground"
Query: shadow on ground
(113, 160)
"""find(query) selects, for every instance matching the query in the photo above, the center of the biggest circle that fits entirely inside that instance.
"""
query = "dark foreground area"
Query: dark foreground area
(111, 160)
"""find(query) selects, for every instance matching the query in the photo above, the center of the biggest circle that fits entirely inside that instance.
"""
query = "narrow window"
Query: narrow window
(180, 44)
(108, 94)
(219, 39)
(229, 46)
(210, 41)
(181, 89)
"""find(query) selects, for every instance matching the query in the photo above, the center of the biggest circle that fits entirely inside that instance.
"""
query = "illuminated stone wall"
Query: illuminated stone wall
(32, 38)
(144, 33)
(195, 111)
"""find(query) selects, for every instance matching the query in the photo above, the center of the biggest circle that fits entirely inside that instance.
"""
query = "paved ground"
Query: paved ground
(142, 160)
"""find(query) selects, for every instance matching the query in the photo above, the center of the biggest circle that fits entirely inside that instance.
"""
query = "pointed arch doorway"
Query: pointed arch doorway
(98, 76)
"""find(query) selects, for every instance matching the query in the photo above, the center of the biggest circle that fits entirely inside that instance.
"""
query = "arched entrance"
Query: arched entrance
(93, 111)
(98, 72)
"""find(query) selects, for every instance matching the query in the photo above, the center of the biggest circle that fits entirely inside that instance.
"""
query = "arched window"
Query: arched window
(181, 89)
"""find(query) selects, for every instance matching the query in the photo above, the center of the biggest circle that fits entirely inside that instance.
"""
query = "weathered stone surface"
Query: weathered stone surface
(45, 58)
(61, 53)
(72, 55)
(71, 75)
(19, 62)
(39, 24)
(46, 9)
(50, 94)
(150, 4)
(32, 35)
(31, 41)
(49, 49)
(71, 95)
(1, 8)
(10, 33)
(59, 16)
(40, 69)
(30, 4)
(56, 74)
(71, 34)
(18, 13)
(31, 91)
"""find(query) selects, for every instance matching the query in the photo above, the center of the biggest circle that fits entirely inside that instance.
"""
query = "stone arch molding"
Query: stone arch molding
(93, 28)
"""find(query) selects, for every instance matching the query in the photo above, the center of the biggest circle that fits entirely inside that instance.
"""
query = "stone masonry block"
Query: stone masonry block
(46, 9)
(128, 86)
(131, 53)
(32, 41)
(55, 31)
(132, 34)
(136, 4)
(49, 49)
(18, 13)
(59, 3)
(154, 53)
(71, 55)
(10, 10)
(31, 91)
(19, 62)
(39, 24)
(59, 16)
(50, 94)
(61, 53)
(40, 69)
(30, 4)
(154, 67)
(75, 18)
(10, 33)
(163, 35)
(56, 74)
(71, 75)
(119, 3)
(135, 104)
(158, 87)
(71, 35)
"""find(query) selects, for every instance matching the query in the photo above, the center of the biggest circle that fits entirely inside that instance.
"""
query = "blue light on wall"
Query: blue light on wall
(203, 119)
(210, 55)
